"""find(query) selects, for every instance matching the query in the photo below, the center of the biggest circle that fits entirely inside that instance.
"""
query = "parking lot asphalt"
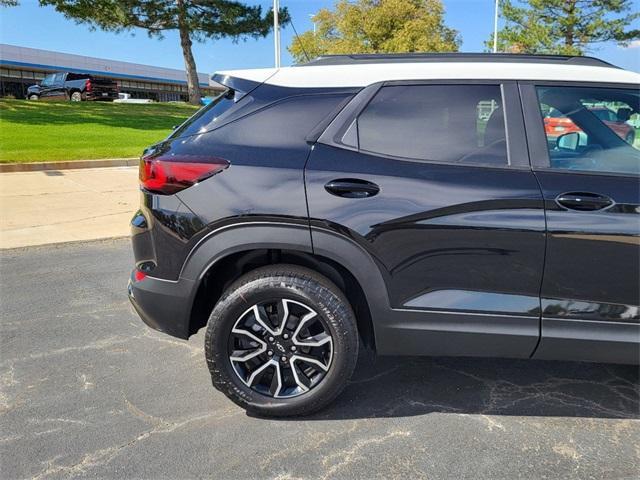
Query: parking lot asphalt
(88, 391)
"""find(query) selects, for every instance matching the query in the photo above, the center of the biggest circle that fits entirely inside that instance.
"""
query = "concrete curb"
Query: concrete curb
(68, 164)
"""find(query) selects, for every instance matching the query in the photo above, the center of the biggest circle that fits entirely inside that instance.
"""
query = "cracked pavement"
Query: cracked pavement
(88, 391)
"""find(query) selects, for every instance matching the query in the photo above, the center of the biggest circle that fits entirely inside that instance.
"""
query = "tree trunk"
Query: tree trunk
(189, 62)
(570, 9)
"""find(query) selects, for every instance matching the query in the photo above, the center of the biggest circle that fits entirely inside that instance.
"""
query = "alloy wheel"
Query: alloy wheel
(280, 348)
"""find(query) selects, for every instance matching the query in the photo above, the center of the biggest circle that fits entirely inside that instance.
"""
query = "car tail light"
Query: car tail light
(87, 86)
(139, 275)
(170, 174)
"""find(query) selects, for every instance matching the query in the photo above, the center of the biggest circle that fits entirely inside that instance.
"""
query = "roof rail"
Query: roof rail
(355, 59)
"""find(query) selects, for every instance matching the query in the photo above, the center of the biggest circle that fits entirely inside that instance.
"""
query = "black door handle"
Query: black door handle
(351, 188)
(583, 201)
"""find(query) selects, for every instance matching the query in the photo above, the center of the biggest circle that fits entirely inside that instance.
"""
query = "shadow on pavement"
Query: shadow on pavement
(399, 387)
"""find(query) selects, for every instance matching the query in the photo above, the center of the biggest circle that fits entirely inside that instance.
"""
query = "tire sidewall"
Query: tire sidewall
(323, 301)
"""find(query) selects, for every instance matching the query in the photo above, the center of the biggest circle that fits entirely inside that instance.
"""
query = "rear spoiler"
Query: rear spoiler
(243, 81)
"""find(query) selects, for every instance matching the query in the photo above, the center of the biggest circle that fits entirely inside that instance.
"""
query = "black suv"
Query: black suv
(412, 204)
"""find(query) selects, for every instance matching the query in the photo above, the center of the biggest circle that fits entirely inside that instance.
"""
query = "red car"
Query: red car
(555, 124)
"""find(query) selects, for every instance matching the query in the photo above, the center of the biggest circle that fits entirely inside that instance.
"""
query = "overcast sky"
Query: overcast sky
(32, 26)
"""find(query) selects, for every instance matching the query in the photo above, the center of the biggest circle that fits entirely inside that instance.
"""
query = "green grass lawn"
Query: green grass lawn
(45, 131)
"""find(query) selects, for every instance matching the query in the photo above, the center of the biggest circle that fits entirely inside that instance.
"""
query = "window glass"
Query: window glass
(592, 129)
(444, 123)
(207, 117)
(48, 80)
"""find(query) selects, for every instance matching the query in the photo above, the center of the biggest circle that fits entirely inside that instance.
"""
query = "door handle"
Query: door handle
(351, 188)
(583, 201)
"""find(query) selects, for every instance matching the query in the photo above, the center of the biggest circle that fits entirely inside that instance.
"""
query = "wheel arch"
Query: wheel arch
(277, 244)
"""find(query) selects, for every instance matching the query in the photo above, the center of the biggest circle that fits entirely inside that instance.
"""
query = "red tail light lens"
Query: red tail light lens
(169, 175)
(87, 86)
(139, 276)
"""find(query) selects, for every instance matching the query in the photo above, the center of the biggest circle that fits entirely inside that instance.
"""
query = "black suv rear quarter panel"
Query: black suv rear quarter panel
(266, 151)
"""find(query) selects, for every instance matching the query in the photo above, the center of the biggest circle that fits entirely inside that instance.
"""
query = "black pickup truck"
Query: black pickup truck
(73, 86)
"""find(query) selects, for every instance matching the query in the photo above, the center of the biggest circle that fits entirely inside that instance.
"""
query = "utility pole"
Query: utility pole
(495, 27)
(276, 32)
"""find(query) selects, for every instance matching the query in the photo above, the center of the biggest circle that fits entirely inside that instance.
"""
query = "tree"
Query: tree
(565, 27)
(377, 26)
(195, 20)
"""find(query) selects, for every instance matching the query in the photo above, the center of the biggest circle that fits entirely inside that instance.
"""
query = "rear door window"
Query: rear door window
(208, 117)
(591, 129)
(441, 123)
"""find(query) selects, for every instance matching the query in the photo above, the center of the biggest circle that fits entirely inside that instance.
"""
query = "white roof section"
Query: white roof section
(363, 74)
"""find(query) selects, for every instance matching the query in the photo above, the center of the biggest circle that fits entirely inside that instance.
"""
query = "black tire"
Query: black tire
(295, 284)
(75, 96)
(34, 97)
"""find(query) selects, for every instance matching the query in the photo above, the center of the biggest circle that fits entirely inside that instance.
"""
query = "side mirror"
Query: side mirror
(568, 141)
(623, 114)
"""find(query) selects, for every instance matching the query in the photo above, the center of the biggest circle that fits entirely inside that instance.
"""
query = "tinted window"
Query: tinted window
(274, 135)
(208, 117)
(592, 129)
(444, 123)
(76, 76)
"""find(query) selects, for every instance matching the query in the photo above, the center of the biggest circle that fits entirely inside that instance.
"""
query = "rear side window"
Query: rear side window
(441, 123)
(281, 125)
(592, 129)
(76, 76)
(208, 117)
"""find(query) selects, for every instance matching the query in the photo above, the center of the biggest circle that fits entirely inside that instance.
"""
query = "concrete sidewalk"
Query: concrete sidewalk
(66, 205)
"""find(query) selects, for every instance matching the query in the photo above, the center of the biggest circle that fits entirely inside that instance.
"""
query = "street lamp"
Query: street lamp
(312, 16)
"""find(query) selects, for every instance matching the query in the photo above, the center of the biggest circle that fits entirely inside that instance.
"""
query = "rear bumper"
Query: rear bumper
(163, 305)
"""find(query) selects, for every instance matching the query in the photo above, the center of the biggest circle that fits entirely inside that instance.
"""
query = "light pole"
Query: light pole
(276, 32)
(311, 16)
(495, 27)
